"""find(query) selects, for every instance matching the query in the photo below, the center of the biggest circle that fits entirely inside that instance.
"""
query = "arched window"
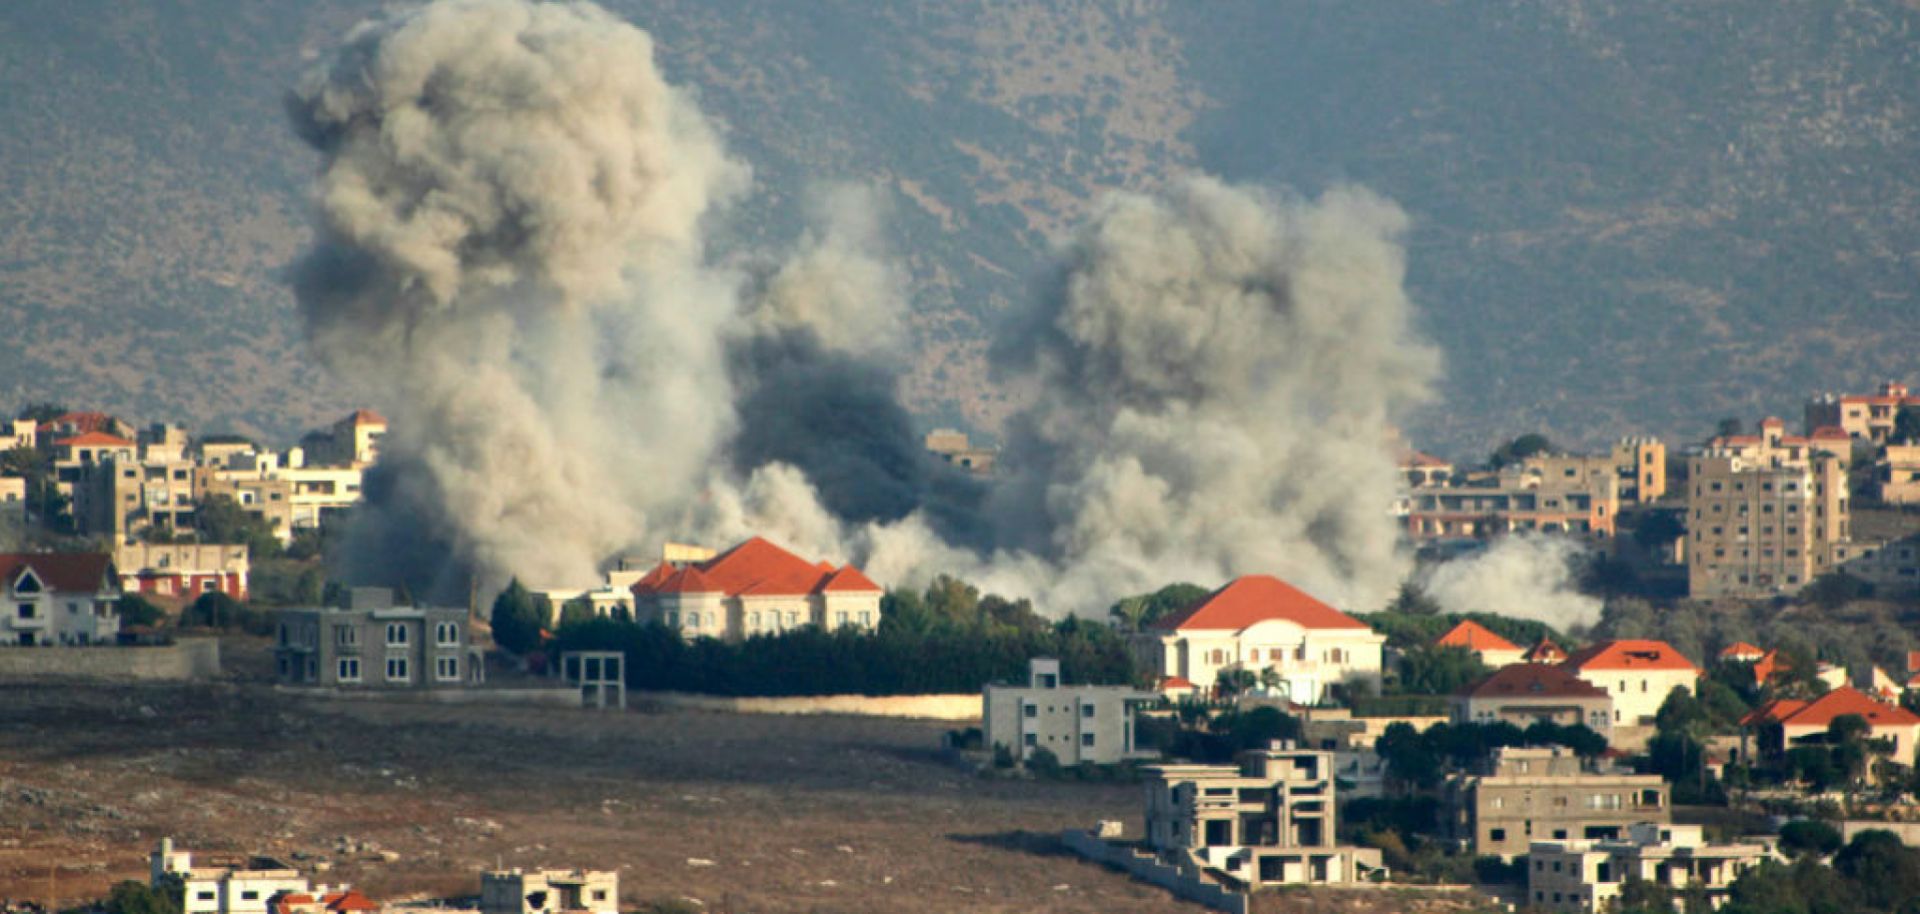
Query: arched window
(753, 619)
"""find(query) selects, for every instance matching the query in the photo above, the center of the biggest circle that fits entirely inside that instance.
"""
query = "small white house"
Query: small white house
(1086, 723)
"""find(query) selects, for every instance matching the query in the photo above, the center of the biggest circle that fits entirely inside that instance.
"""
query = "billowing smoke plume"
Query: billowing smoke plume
(1217, 369)
(510, 260)
(1524, 576)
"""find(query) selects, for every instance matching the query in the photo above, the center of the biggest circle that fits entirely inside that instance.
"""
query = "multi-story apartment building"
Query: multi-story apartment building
(549, 892)
(1517, 501)
(1269, 821)
(1865, 418)
(182, 569)
(59, 598)
(351, 442)
(1638, 464)
(1085, 723)
(752, 589)
(1523, 795)
(1767, 513)
(1637, 674)
(1585, 877)
(373, 644)
(1525, 693)
(1258, 623)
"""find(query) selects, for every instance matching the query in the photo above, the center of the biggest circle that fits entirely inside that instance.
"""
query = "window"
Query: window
(866, 619)
(203, 896)
(1033, 711)
(447, 634)
(447, 669)
(283, 634)
(1498, 834)
(396, 634)
(599, 894)
(397, 669)
(29, 611)
(1086, 711)
(1031, 740)
(840, 620)
(673, 618)
(349, 669)
(753, 619)
(346, 635)
(1086, 740)
(250, 895)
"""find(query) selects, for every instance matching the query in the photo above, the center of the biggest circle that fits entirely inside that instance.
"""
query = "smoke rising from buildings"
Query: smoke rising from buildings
(1523, 576)
(512, 261)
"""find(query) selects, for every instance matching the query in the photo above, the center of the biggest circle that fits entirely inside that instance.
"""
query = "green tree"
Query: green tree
(517, 619)
(221, 520)
(1906, 426)
(576, 611)
(1639, 896)
(1436, 670)
(1885, 870)
(137, 898)
(1809, 836)
(1519, 449)
(1137, 612)
(134, 609)
(1835, 589)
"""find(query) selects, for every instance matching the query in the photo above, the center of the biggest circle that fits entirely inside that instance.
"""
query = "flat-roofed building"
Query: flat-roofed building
(1584, 877)
(1867, 418)
(549, 892)
(1081, 723)
(1522, 795)
(373, 644)
(1271, 820)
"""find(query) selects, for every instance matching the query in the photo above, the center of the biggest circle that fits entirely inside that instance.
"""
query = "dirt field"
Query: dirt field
(742, 813)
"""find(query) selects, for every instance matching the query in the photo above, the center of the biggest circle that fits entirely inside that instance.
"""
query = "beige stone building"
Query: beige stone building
(1639, 466)
(755, 588)
(1269, 821)
(1866, 418)
(1084, 723)
(953, 446)
(549, 892)
(1523, 795)
(1896, 478)
(1258, 623)
(1767, 514)
(1585, 877)
(1515, 502)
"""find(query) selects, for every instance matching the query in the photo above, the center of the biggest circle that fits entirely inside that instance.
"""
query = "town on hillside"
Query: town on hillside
(1737, 731)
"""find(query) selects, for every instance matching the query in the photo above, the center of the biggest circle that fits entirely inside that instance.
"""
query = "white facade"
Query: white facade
(1076, 723)
(41, 610)
(220, 890)
(1306, 660)
(1581, 877)
(549, 892)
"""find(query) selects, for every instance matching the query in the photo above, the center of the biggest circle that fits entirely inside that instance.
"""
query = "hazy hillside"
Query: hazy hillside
(1629, 216)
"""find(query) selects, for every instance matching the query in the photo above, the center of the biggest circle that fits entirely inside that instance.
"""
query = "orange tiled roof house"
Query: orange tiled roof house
(1259, 622)
(755, 588)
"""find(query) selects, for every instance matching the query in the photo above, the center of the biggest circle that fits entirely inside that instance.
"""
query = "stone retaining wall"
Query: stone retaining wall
(188, 659)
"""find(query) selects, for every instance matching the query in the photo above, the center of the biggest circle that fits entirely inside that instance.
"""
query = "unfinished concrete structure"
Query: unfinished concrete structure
(600, 675)
(1077, 724)
(373, 644)
(1523, 795)
(1269, 821)
(518, 891)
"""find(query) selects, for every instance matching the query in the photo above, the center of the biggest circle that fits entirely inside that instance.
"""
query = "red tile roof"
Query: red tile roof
(848, 580)
(1474, 636)
(349, 900)
(1176, 682)
(65, 572)
(1414, 459)
(1545, 652)
(1629, 655)
(1825, 432)
(1740, 650)
(1913, 662)
(81, 422)
(94, 439)
(687, 580)
(755, 568)
(1766, 666)
(1256, 598)
(1821, 711)
(366, 417)
(1532, 680)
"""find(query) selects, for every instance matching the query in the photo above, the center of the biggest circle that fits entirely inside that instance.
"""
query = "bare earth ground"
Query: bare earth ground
(743, 813)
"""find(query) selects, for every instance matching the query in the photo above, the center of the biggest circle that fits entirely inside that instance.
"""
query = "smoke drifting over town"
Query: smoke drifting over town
(512, 260)
(1523, 576)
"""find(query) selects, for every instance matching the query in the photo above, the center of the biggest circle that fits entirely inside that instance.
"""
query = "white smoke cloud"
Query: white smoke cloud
(1525, 576)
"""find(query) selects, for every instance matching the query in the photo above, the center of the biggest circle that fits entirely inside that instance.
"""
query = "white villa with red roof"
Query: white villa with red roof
(1638, 674)
(755, 588)
(1259, 622)
(1494, 651)
(1784, 723)
(59, 598)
